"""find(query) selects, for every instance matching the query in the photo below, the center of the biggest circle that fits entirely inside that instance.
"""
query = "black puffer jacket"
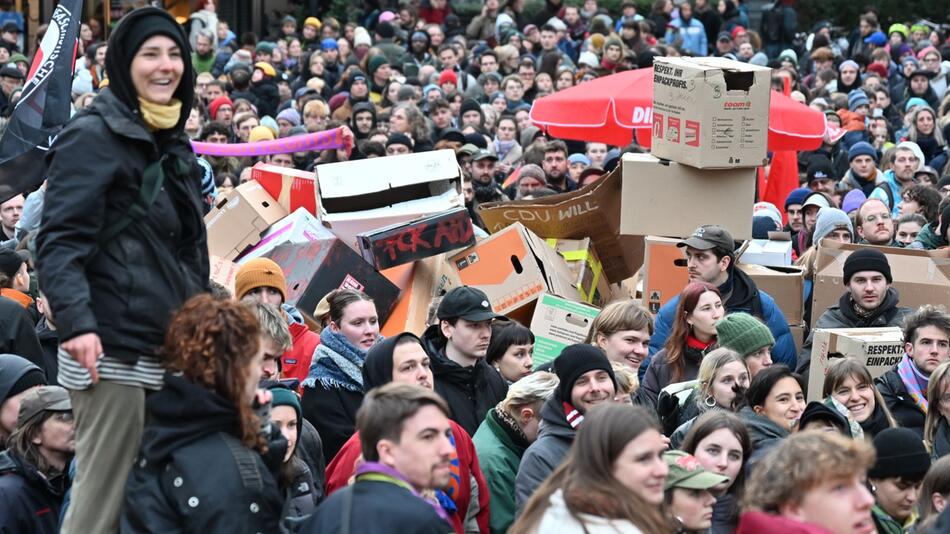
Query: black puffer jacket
(123, 290)
(194, 474)
(29, 502)
(660, 374)
(469, 391)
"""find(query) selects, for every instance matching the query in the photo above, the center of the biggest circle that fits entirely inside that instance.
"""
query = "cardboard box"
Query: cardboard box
(316, 267)
(784, 284)
(223, 272)
(431, 278)
(418, 239)
(670, 199)
(710, 112)
(513, 267)
(663, 279)
(920, 276)
(557, 323)
(592, 211)
(237, 221)
(588, 271)
(798, 336)
(293, 189)
(879, 349)
(768, 252)
(363, 195)
(298, 227)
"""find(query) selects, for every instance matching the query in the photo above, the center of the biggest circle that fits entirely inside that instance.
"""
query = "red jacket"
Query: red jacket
(341, 470)
(296, 362)
(758, 522)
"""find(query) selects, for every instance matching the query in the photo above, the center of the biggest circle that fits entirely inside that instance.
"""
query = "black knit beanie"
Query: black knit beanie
(866, 259)
(133, 30)
(900, 453)
(18, 374)
(576, 360)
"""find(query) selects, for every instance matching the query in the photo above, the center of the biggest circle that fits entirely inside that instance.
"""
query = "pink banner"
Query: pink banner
(327, 140)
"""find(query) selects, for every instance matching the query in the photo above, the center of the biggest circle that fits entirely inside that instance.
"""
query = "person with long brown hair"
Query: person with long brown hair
(204, 422)
(849, 383)
(611, 481)
(693, 333)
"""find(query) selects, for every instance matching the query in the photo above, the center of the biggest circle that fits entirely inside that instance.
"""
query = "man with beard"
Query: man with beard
(483, 177)
(586, 379)
(417, 55)
(868, 302)
(908, 159)
(710, 257)
(555, 167)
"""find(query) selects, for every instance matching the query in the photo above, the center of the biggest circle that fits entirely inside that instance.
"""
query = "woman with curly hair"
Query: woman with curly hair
(208, 420)
(407, 119)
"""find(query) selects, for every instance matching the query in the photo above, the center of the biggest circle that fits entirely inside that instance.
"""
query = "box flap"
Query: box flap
(365, 176)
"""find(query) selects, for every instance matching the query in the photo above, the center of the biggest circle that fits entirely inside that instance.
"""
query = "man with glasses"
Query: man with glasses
(932, 61)
(874, 223)
(908, 159)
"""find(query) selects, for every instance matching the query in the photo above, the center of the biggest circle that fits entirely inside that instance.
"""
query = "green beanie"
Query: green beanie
(285, 397)
(743, 333)
(375, 63)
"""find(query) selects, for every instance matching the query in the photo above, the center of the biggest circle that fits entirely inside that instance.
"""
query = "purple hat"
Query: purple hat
(853, 200)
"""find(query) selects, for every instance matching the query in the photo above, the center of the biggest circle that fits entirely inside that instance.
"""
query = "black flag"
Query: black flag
(44, 104)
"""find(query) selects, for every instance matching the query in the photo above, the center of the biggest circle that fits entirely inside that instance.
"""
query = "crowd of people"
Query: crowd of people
(137, 395)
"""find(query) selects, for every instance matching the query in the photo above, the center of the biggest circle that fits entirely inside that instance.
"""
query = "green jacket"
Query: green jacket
(499, 454)
(927, 239)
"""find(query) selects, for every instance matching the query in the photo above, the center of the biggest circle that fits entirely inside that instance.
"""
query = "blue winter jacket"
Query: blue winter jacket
(891, 181)
(693, 36)
(783, 351)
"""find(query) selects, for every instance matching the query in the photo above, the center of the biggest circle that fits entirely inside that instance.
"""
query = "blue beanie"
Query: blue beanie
(857, 98)
(578, 158)
(797, 196)
(329, 44)
(862, 148)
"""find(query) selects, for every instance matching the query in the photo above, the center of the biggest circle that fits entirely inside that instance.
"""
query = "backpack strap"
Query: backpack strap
(246, 461)
(153, 179)
(888, 193)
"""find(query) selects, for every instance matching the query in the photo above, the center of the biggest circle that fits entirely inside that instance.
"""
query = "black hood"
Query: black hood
(182, 413)
(378, 366)
(12, 369)
(819, 411)
(133, 30)
(553, 420)
(10, 463)
(891, 299)
(739, 292)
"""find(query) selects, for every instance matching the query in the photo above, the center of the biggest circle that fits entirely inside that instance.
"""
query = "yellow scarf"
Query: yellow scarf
(158, 116)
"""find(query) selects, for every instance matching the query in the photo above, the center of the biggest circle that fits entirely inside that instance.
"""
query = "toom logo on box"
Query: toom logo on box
(737, 105)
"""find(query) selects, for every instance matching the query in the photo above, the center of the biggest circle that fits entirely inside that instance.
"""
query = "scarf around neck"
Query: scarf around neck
(337, 363)
(502, 148)
(573, 415)
(159, 116)
(914, 381)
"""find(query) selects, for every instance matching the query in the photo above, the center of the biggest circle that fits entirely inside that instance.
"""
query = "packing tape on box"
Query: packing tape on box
(596, 268)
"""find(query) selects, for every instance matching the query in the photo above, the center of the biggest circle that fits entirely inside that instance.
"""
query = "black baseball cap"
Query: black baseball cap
(708, 237)
(466, 302)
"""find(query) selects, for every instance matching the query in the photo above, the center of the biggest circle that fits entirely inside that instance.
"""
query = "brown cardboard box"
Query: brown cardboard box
(710, 112)
(293, 189)
(363, 195)
(238, 220)
(558, 323)
(592, 211)
(784, 284)
(431, 278)
(514, 267)
(920, 276)
(879, 349)
(588, 271)
(798, 336)
(662, 278)
(670, 199)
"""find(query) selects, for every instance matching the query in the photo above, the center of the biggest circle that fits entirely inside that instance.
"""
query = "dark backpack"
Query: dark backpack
(887, 193)
(773, 22)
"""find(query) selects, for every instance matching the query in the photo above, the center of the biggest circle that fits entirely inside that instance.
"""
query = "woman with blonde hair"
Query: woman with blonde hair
(611, 481)
(851, 386)
(721, 383)
(622, 330)
(936, 427)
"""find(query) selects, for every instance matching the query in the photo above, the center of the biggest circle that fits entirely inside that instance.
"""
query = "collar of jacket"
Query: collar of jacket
(119, 118)
(504, 428)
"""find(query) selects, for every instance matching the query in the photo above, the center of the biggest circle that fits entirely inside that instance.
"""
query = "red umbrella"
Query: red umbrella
(612, 108)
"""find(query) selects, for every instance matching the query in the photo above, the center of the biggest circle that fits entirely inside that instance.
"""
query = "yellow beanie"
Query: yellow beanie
(259, 272)
(260, 133)
(266, 68)
(313, 21)
(597, 41)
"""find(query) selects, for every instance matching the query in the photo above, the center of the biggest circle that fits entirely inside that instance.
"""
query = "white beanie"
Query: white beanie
(361, 37)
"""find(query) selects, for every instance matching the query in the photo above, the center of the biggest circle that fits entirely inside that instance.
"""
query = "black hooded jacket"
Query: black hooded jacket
(125, 289)
(193, 473)
(29, 501)
(378, 366)
(469, 391)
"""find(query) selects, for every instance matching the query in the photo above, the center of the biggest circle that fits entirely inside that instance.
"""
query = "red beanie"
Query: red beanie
(878, 69)
(448, 76)
(217, 103)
